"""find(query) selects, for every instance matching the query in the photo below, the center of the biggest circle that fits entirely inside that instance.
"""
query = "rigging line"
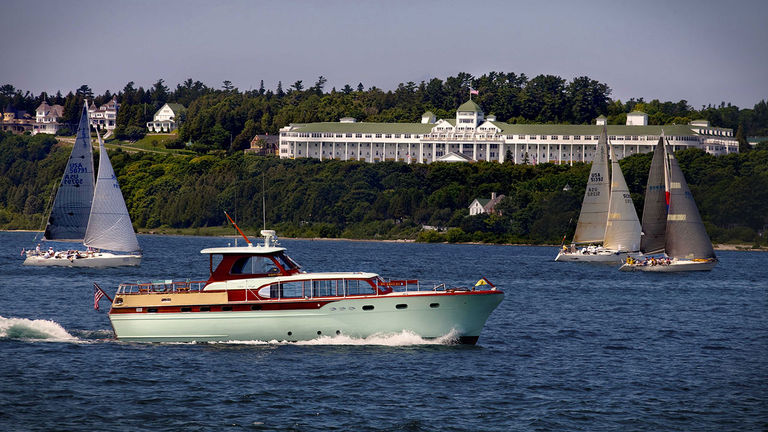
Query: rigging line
(263, 201)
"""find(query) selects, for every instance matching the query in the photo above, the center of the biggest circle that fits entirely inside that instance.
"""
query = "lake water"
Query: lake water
(572, 347)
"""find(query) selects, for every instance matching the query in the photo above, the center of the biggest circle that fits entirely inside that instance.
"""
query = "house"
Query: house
(16, 121)
(47, 118)
(105, 116)
(264, 145)
(167, 119)
(473, 136)
(484, 205)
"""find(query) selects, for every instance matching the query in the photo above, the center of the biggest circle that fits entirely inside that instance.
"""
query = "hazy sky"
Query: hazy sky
(701, 51)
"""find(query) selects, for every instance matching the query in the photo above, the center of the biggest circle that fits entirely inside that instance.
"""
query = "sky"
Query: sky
(704, 52)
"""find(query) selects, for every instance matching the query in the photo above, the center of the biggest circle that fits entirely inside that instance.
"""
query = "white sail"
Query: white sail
(69, 213)
(594, 209)
(622, 232)
(109, 225)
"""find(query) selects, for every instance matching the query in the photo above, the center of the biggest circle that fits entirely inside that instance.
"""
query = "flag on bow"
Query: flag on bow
(474, 92)
(484, 281)
(98, 293)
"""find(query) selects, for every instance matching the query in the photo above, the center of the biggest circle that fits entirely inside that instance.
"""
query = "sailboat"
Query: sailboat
(607, 215)
(671, 221)
(93, 214)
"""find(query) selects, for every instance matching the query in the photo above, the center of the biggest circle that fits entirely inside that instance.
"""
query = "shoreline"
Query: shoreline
(739, 247)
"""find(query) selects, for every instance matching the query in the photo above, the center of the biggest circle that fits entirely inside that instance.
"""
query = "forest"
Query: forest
(390, 200)
(227, 118)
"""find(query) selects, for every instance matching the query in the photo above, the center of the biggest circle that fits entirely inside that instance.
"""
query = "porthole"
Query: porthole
(186, 309)
(290, 333)
(338, 332)
(368, 307)
(226, 308)
(255, 307)
(434, 305)
(151, 310)
(205, 308)
(319, 332)
(401, 306)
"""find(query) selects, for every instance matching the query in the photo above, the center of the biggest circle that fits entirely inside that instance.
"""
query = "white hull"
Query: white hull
(98, 260)
(427, 314)
(602, 256)
(673, 267)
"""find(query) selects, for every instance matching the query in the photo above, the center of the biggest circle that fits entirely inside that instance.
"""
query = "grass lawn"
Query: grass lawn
(151, 143)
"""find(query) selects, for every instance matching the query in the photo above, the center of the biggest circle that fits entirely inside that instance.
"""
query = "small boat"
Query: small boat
(608, 224)
(672, 225)
(81, 212)
(259, 293)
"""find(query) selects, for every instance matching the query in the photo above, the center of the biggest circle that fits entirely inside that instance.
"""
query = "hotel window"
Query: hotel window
(378, 135)
(349, 135)
(339, 135)
(543, 137)
(388, 136)
(368, 135)
(358, 135)
(554, 137)
(533, 137)
(397, 135)
(407, 136)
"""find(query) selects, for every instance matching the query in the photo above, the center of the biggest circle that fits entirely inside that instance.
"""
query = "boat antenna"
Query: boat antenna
(238, 229)
(263, 201)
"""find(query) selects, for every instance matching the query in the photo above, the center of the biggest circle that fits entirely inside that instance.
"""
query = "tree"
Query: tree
(298, 86)
(279, 92)
(743, 144)
(227, 86)
(319, 84)
(84, 91)
(159, 93)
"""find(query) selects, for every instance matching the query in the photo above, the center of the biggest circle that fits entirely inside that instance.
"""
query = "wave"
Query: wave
(404, 338)
(23, 328)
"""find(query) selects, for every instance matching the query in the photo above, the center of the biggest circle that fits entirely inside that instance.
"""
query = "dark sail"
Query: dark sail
(69, 214)
(655, 206)
(686, 236)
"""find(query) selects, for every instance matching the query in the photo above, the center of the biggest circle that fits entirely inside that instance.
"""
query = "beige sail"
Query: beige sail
(622, 231)
(594, 209)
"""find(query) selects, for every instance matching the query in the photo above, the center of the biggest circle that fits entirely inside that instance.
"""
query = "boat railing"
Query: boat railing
(161, 286)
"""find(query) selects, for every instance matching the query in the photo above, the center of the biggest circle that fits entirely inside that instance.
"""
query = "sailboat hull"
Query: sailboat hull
(601, 256)
(98, 260)
(674, 266)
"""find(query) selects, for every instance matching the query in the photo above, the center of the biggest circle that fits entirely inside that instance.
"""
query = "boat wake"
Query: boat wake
(26, 329)
(404, 338)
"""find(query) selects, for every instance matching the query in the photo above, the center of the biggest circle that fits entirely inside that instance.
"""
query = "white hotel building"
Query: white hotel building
(473, 137)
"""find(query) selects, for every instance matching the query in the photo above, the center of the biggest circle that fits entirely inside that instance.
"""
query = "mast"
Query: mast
(69, 214)
(594, 208)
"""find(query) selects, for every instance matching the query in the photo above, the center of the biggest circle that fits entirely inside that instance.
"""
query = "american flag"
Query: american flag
(98, 293)
(473, 92)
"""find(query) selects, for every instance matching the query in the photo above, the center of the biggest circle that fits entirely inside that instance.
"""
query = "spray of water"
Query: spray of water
(23, 328)
(404, 338)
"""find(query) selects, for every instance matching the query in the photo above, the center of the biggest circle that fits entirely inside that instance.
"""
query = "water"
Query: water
(571, 347)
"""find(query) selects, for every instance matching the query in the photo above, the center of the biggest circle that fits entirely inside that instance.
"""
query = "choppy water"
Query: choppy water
(571, 347)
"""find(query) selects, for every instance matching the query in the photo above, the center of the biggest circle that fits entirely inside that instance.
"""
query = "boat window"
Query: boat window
(324, 288)
(286, 262)
(254, 265)
(401, 306)
(358, 287)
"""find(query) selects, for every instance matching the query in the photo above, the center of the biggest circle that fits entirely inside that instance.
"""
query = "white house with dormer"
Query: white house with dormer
(105, 116)
(47, 118)
(167, 118)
